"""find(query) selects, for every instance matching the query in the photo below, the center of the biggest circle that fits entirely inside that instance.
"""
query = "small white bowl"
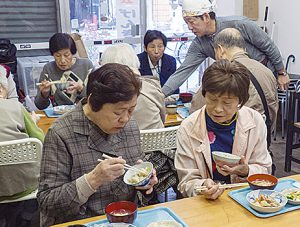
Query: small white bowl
(223, 158)
(291, 190)
(131, 173)
(164, 223)
(278, 197)
(171, 109)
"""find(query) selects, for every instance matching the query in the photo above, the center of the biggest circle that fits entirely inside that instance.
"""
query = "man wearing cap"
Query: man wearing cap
(202, 21)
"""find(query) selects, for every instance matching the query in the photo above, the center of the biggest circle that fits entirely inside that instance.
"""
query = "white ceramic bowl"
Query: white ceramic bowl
(62, 109)
(286, 193)
(131, 174)
(222, 158)
(278, 197)
(168, 223)
(171, 109)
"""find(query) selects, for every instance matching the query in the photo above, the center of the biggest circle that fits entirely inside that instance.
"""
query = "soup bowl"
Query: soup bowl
(262, 181)
(121, 212)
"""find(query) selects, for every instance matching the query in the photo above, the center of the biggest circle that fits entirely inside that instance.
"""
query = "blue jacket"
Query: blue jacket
(168, 67)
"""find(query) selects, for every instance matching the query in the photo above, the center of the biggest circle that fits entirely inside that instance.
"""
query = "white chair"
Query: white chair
(163, 140)
(158, 139)
(23, 151)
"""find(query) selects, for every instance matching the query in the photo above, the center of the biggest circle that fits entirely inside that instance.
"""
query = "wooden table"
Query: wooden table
(225, 212)
(45, 122)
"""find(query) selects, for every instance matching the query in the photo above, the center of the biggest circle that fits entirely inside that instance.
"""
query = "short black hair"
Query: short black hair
(112, 83)
(61, 41)
(152, 35)
(228, 77)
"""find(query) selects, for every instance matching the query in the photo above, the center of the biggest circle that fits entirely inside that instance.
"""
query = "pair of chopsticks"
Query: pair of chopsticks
(221, 186)
(53, 82)
(126, 166)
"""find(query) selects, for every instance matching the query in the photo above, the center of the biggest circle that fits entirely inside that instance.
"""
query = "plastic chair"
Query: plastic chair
(163, 140)
(23, 151)
(158, 139)
(293, 128)
(282, 99)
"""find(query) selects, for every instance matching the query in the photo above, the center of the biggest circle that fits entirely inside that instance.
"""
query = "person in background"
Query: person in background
(66, 68)
(16, 123)
(150, 109)
(229, 44)
(11, 85)
(154, 61)
(223, 124)
(200, 17)
(73, 184)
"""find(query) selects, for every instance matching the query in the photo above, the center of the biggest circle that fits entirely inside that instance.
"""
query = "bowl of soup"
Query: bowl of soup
(171, 109)
(121, 212)
(262, 181)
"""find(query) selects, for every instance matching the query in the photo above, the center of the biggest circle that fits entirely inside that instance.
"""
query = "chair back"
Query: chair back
(293, 101)
(20, 151)
(158, 139)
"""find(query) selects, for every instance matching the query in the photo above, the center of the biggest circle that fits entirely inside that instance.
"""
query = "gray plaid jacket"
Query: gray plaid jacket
(71, 149)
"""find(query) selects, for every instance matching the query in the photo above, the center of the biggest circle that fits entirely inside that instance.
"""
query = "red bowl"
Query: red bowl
(255, 181)
(186, 97)
(121, 212)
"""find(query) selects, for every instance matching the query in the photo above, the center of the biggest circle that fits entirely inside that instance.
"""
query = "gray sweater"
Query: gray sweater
(81, 68)
(258, 45)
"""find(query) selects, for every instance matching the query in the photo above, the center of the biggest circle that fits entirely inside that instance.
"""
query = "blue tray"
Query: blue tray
(49, 112)
(240, 197)
(183, 112)
(145, 217)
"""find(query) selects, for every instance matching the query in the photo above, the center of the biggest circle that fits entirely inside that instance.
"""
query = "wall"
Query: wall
(285, 35)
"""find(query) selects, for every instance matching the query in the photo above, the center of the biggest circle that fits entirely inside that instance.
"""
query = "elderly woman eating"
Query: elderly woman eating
(223, 124)
(61, 81)
(73, 184)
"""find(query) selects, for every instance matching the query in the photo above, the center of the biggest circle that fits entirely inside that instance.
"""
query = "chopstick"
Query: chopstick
(101, 160)
(126, 166)
(52, 82)
(221, 186)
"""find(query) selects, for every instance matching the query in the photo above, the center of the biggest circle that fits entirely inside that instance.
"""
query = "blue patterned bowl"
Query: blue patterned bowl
(253, 196)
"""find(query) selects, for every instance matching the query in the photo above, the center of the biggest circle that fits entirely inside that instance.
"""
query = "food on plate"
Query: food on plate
(259, 182)
(294, 195)
(265, 201)
(140, 175)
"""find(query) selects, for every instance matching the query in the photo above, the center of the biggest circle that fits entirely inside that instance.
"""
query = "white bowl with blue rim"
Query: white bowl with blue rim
(279, 198)
(136, 178)
(292, 195)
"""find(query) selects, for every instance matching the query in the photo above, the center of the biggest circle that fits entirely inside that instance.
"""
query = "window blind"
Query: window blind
(28, 21)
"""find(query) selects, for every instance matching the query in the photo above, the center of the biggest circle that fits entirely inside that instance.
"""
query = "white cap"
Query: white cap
(3, 78)
(191, 8)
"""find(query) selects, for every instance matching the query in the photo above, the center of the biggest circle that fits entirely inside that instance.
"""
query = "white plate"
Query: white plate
(287, 191)
(62, 109)
(166, 223)
(280, 198)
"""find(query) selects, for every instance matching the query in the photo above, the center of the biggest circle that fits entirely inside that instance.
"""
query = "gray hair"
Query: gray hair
(229, 37)
(121, 53)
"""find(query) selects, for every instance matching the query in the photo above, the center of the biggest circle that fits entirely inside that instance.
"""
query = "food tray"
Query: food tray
(183, 112)
(240, 197)
(50, 112)
(145, 217)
